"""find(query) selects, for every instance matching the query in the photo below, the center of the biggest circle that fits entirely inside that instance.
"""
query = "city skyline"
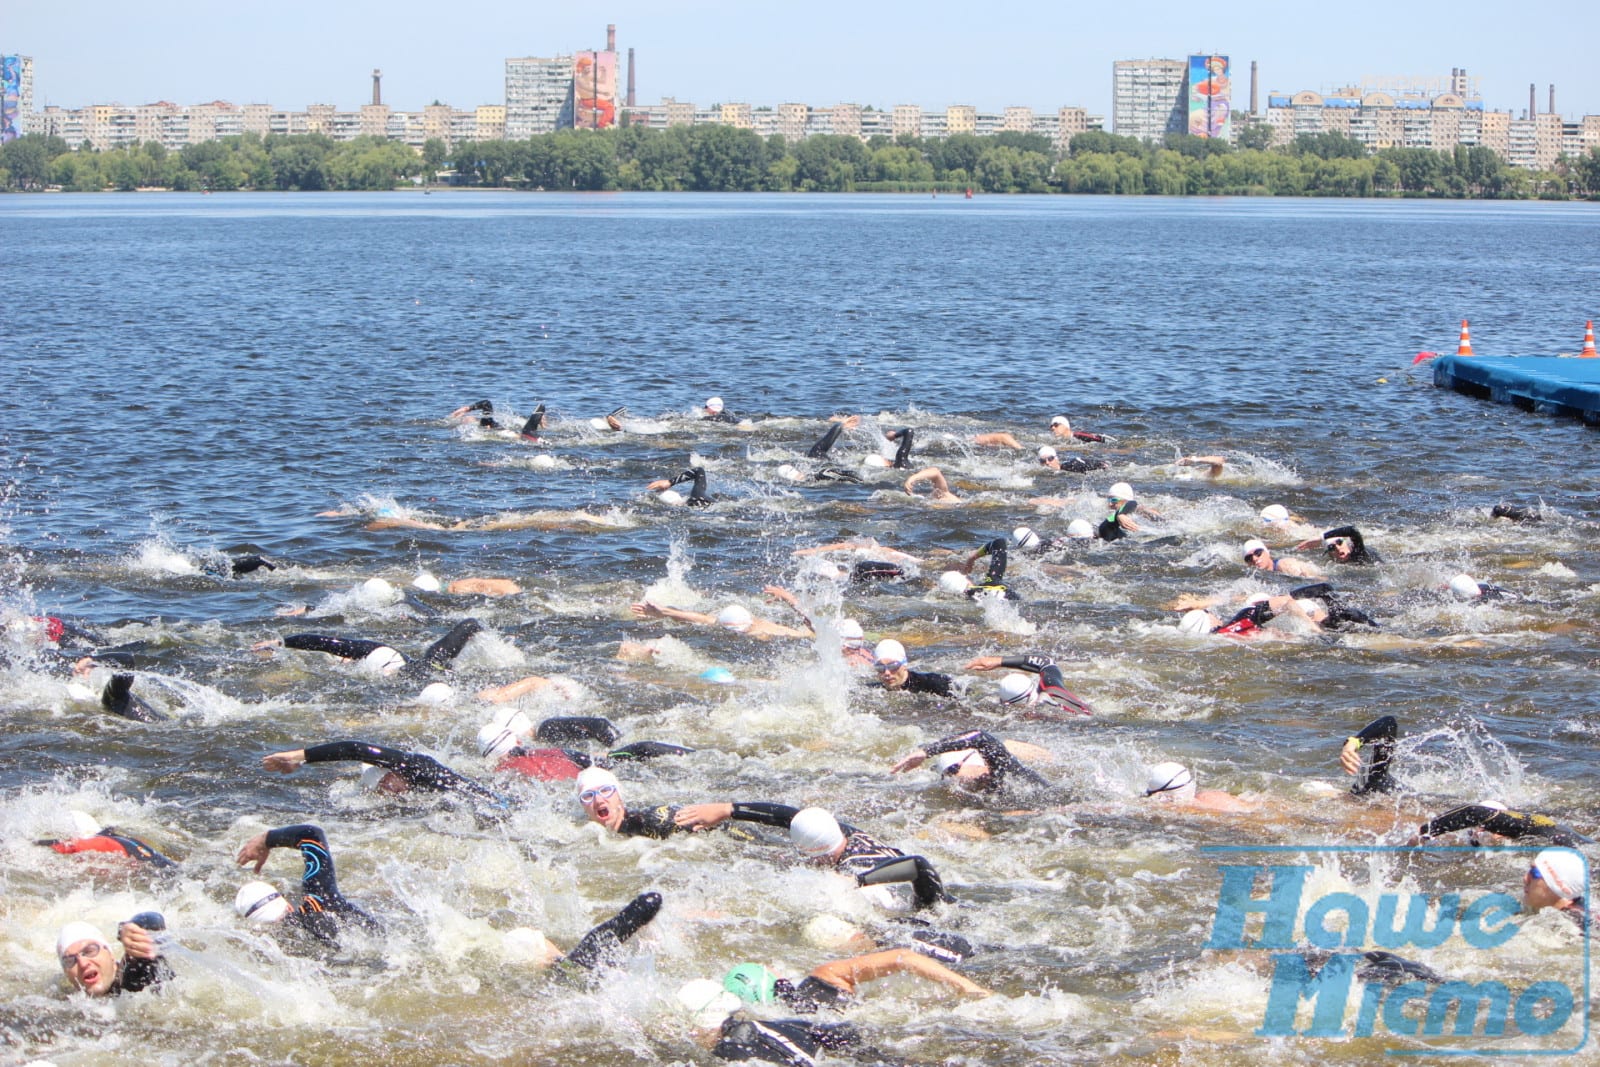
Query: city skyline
(932, 54)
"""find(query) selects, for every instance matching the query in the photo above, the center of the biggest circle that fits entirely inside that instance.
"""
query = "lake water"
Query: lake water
(192, 376)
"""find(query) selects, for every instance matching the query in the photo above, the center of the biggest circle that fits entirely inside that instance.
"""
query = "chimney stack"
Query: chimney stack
(631, 101)
(377, 87)
(1532, 110)
(1552, 107)
(1253, 109)
(611, 37)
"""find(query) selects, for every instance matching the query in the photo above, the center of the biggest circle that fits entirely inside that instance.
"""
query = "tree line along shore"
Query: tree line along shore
(727, 159)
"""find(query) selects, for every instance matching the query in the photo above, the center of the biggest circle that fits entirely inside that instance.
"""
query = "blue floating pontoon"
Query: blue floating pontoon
(1549, 385)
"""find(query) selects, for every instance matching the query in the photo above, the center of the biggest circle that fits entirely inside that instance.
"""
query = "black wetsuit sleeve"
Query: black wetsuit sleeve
(996, 551)
(1511, 824)
(138, 849)
(419, 771)
(994, 752)
(138, 975)
(643, 750)
(1031, 664)
(1358, 547)
(902, 454)
(442, 652)
(760, 811)
(825, 443)
(927, 682)
(117, 697)
(318, 881)
(1380, 735)
(566, 729)
(342, 647)
(655, 821)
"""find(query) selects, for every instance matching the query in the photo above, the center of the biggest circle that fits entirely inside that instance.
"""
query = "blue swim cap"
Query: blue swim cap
(718, 675)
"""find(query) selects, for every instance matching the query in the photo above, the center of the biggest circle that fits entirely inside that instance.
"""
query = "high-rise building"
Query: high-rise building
(1210, 97)
(594, 89)
(538, 96)
(16, 96)
(1147, 97)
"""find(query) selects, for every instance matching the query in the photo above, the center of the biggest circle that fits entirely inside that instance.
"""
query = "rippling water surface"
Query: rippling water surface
(187, 377)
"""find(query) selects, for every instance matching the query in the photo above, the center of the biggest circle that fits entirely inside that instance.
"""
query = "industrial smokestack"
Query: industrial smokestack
(377, 87)
(611, 37)
(1532, 110)
(631, 101)
(1253, 110)
(1552, 107)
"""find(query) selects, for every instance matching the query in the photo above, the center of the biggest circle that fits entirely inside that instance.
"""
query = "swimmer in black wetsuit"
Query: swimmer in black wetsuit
(697, 495)
(87, 962)
(1344, 545)
(530, 429)
(713, 412)
(829, 843)
(903, 438)
(600, 795)
(820, 449)
(118, 698)
(482, 407)
(323, 910)
(504, 739)
(380, 656)
(993, 583)
(1497, 823)
(1335, 613)
(406, 770)
(1049, 688)
(1119, 521)
(1049, 457)
(1366, 756)
(889, 659)
(1516, 513)
(980, 762)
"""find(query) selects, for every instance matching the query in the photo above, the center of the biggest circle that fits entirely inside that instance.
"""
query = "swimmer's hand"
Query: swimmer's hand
(909, 763)
(646, 610)
(83, 666)
(658, 485)
(703, 816)
(284, 762)
(255, 851)
(293, 609)
(268, 645)
(984, 663)
(139, 942)
(850, 421)
(1350, 756)
(778, 592)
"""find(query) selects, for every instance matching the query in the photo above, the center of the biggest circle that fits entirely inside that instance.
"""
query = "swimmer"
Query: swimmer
(1344, 545)
(613, 421)
(825, 841)
(1466, 587)
(1257, 555)
(1172, 783)
(979, 762)
(903, 438)
(493, 588)
(1491, 823)
(697, 495)
(1518, 513)
(850, 633)
(118, 698)
(389, 770)
(600, 795)
(1250, 621)
(1047, 688)
(481, 407)
(505, 742)
(378, 656)
(1558, 879)
(530, 429)
(935, 478)
(1213, 464)
(993, 583)
(1366, 756)
(997, 440)
(1119, 521)
(733, 617)
(713, 412)
(1327, 609)
(889, 659)
(88, 964)
(323, 910)
(1061, 427)
(108, 840)
(1049, 457)
(239, 566)
(1024, 539)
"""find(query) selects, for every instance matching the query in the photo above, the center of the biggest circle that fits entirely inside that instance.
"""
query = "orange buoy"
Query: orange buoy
(1465, 347)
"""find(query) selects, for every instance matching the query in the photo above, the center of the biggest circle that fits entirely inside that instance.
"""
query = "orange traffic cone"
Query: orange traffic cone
(1588, 342)
(1465, 347)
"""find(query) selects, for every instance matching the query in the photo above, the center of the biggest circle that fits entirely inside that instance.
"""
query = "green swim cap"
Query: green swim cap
(751, 983)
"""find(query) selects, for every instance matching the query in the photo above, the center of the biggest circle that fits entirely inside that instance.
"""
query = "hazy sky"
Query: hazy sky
(1042, 55)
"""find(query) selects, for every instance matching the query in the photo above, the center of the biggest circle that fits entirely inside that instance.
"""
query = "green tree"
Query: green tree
(1249, 134)
(1101, 143)
(29, 160)
(434, 153)
(726, 159)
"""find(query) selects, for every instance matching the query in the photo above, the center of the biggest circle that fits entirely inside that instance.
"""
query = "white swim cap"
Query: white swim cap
(947, 762)
(426, 582)
(84, 823)
(889, 651)
(378, 589)
(714, 404)
(599, 424)
(436, 693)
(1024, 537)
(543, 461)
(1170, 778)
(74, 932)
(829, 932)
(789, 472)
(1564, 871)
(1046, 453)
(707, 1002)
(1253, 544)
(954, 582)
(1060, 420)
(596, 778)
(735, 617)
(874, 460)
(849, 630)
(815, 832)
(1120, 491)
(1196, 622)
(1274, 513)
(383, 660)
(1080, 529)
(1462, 585)
(260, 902)
(372, 775)
(503, 733)
(670, 496)
(1017, 689)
